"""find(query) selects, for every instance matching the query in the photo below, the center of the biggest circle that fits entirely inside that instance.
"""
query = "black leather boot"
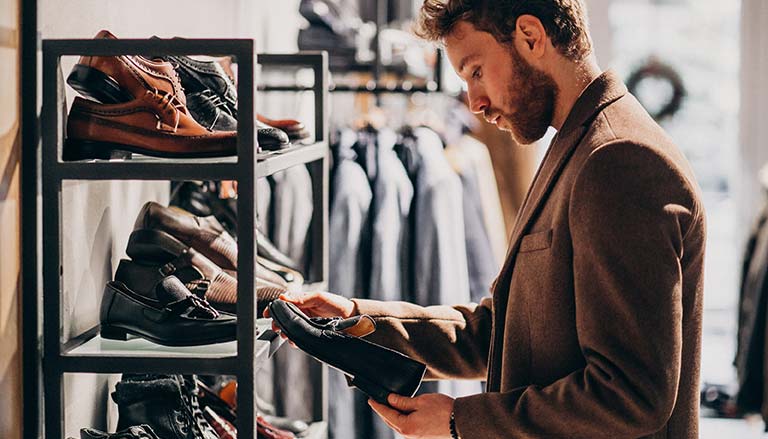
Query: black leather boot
(164, 402)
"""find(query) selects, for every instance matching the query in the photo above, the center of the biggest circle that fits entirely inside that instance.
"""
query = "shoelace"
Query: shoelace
(169, 104)
(214, 101)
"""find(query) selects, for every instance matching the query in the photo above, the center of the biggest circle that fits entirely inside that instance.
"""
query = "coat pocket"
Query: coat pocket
(536, 241)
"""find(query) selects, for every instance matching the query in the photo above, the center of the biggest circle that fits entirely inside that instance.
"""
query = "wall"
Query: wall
(10, 256)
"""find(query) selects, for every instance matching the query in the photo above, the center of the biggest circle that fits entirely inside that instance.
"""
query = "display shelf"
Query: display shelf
(152, 168)
(92, 353)
(256, 342)
(293, 156)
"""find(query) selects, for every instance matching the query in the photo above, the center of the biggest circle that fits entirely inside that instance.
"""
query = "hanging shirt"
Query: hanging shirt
(440, 257)
(292, 212)
(393, 193)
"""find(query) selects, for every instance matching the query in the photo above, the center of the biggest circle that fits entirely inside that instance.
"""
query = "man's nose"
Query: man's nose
(478, 102)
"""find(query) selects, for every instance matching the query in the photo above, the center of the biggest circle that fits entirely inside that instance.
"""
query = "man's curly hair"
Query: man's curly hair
(565, 21)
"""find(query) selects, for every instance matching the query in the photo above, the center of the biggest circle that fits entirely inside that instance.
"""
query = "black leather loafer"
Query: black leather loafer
(173, 317)
(374, 369)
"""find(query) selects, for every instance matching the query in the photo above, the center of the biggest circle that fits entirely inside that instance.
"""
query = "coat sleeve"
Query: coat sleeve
(452, 341)
(630, 211)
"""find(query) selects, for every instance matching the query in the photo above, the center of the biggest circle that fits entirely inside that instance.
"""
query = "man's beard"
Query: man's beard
(532, 112)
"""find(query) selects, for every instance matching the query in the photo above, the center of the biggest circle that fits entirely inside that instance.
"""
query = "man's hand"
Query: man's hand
(319, 304)
(425, 417)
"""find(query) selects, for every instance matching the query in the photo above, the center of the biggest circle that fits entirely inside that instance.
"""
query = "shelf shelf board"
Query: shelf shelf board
(301, 154)
(152, 168)
(100, 355)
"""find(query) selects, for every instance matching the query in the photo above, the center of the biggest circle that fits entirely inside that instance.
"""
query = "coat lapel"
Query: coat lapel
(604, 90)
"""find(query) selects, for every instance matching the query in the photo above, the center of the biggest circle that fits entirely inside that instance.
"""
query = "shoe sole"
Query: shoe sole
(112, 332)
(80, 149)
(97, 85)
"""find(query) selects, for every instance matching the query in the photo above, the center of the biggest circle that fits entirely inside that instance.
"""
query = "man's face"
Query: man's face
(508, 91)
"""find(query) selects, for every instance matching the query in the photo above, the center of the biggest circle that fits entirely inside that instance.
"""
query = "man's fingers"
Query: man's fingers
(392, 417)
(402, 403)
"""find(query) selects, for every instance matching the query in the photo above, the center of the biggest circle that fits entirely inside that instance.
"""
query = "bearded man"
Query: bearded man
(593, 327)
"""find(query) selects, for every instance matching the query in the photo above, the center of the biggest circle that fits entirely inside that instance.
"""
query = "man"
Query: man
(593, 328)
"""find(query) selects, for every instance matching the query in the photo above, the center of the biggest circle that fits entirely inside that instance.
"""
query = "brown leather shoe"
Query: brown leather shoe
(204, 234)
(295, 129)
(156, 254)
(117, 79)
(155, 124)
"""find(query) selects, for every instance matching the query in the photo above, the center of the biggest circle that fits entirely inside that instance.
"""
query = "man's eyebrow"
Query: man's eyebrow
(466, 60)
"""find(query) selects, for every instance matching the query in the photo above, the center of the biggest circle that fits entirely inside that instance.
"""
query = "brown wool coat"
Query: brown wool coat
(594, 326)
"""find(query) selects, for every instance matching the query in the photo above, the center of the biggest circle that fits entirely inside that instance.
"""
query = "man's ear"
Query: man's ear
(530, 36)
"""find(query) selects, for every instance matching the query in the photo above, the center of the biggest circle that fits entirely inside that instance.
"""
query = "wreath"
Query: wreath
(655, 69)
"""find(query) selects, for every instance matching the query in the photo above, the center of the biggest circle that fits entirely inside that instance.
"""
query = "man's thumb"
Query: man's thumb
(401, 403)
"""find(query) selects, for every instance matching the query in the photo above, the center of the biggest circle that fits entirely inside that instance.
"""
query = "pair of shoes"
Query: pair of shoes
(201, 253)
(167, 403)
(138, 106)
(374, 369)
(202, 199)
(212, 98)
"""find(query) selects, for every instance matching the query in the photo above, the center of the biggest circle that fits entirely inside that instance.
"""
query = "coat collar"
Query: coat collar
(601, 92)
(604, 90)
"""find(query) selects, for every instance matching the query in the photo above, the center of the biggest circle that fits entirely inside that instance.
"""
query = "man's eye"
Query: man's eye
(476, 73)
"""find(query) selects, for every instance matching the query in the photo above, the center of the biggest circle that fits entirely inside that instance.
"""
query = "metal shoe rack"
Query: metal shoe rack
(88, 352)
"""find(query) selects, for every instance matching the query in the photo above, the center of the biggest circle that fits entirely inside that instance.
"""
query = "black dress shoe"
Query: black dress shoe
(374, 369)
(210, 111)
(197, 76)
(134, 432)
(173, 317)
(271, 138)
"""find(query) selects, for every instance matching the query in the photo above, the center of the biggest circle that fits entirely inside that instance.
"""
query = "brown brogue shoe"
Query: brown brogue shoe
(154, 124)
(117, 79)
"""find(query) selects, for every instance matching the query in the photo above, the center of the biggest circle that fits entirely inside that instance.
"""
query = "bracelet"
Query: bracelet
(454, 433)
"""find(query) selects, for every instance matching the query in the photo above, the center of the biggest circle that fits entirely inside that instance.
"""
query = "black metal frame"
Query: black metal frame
(30, 335)
(246, 168)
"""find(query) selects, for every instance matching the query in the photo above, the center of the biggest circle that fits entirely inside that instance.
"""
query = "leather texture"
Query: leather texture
(197, 76)
(270, 138)
(374, 369)
(357, 326)
(172, 316)
(210, 111)
(204, 234)
(155, 124)
(136, 74)
(167, 403)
